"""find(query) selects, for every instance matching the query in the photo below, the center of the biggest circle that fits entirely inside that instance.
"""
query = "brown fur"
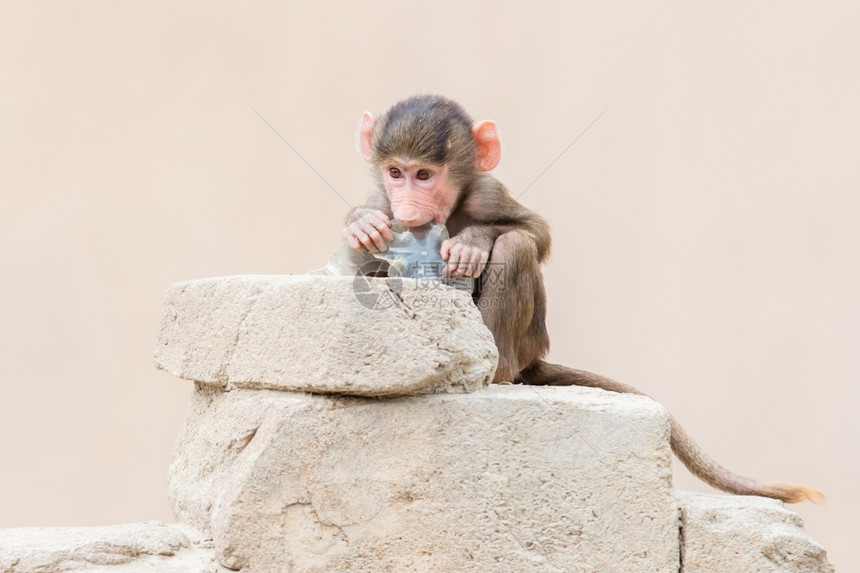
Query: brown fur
(431, 129)
(510, 292)
(696, 460)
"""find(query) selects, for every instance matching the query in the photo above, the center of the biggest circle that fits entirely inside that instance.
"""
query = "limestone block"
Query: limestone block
(509, 478)
(217, 427)
(150, 546)
(750, 534)
(357, 336)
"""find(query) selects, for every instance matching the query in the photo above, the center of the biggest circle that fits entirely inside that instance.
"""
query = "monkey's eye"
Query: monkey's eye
(394, 172)
(424, 175)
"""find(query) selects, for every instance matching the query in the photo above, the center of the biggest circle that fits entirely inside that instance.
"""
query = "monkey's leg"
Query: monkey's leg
(513, 303)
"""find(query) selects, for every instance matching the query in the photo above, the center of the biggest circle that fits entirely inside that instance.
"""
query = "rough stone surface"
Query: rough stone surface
(217, 427)
(313, 334)
(509, 478)
(267, 477)
(749, 534)
(151, 546)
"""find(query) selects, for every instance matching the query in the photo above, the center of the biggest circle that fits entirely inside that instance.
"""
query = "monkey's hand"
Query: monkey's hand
(369, 230)
(467, 253)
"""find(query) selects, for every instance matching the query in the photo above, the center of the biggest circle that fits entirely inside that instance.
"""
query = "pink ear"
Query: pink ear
(365, 135)
(489, 147)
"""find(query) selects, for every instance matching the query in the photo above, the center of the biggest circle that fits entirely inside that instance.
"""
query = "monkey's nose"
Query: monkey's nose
(411, 216)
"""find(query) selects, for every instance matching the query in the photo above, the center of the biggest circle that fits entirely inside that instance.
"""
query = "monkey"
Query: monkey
(430, 163)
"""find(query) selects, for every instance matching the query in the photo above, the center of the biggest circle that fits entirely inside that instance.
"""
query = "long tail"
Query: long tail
(697, 461)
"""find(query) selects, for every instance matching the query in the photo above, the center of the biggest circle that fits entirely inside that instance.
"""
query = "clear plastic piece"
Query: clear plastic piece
(414, 252)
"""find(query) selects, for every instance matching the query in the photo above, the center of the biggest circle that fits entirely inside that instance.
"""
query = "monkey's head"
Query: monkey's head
(425, 151)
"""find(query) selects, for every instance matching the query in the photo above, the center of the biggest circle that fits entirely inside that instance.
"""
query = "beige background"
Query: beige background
(706, 236)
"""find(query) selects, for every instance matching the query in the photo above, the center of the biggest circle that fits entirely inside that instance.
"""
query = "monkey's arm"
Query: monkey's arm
(369, 227)
(486, 212)
(377, 201)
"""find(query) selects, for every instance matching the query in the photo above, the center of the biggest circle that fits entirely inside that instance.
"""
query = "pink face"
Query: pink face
(420, 193)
